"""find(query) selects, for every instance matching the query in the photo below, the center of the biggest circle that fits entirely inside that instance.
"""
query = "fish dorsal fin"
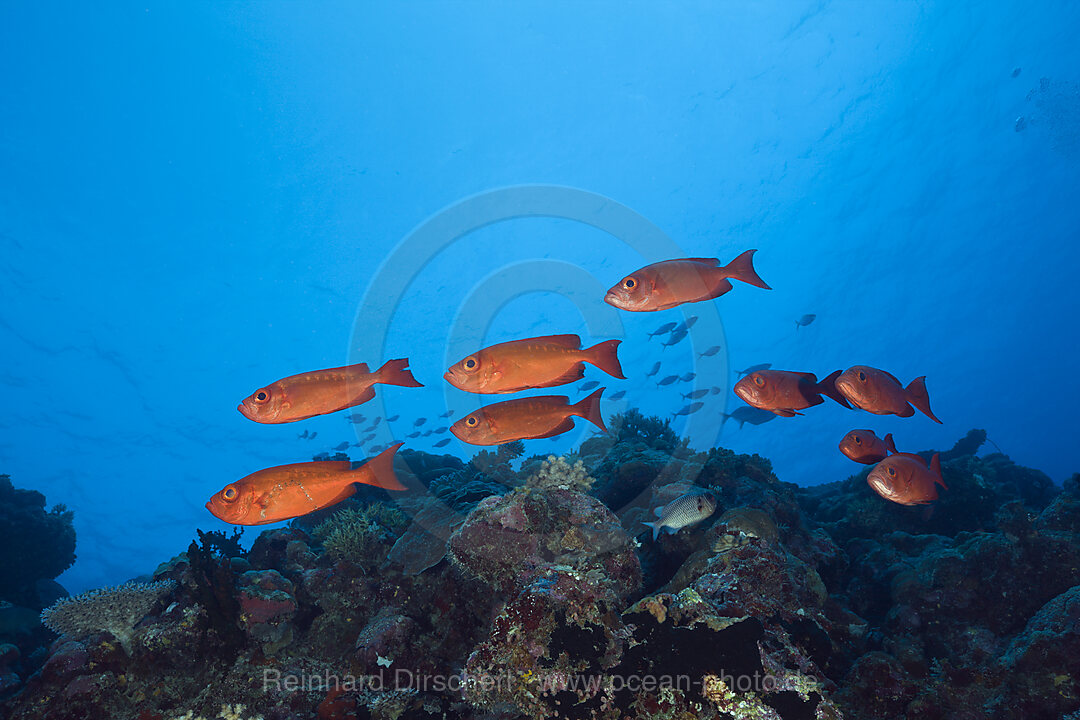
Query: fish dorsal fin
(571, 342)
(888, 374)
(705, 261)
(889, 444)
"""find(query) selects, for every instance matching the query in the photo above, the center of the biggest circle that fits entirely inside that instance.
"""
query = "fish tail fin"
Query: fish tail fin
(655, 527)
(916, 394)
(935, 468)
(379, 470)
(396, 372)
(605, 356)
(742, 268)
(889, 444)
(589, 408)
(827, 387)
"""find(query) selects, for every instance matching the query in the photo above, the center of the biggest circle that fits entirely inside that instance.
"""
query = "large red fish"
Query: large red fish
(906, 479)
(288, 491)
(784, 392)
(879, 392)
(863, 446)
(532, 363)
(669, 283)
(319, 392)
(526, 418)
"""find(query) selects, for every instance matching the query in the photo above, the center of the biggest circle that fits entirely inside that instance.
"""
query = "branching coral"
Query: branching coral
(355, 535)
(114, 609)
(556, 473)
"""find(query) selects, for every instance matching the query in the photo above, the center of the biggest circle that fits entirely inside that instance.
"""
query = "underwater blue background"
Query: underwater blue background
(196, 197)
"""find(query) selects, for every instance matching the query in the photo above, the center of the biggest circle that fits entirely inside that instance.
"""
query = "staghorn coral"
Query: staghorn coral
(112, 609)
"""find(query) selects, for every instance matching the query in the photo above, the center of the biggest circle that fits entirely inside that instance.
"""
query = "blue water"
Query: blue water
(198, 199)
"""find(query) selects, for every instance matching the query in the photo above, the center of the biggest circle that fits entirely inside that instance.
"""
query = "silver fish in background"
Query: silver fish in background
(683, 511)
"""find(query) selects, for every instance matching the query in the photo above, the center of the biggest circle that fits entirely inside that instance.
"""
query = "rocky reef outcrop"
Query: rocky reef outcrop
(527, 587)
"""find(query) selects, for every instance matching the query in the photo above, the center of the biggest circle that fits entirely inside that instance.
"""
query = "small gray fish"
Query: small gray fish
(585, 386)
(688, 377)
(443, 443)
(748, 414)
(414, 434)
(684, 326)
(419, 422)
(691, 408)
(683, 511)
(369, 437)
(655, 369)
(447, 414)
(617, 395)
(392, 418)
(710, 352)
(312, 436)
(668, 380)
(696, 394)
(676, 337)
(426, 433)
(804, 321)
(304, 436)
(716, 390)
(666, 327)
(341, 446)
(441, 430)
(755, 368)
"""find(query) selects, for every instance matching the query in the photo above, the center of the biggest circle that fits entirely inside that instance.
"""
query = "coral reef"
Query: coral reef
(787, 603)
(38, 544)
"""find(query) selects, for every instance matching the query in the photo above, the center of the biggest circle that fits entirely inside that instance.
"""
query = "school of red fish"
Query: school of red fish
(288, 491)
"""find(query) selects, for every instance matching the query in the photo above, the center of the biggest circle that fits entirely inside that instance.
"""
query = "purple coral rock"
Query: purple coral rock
(266, 596)
(68, 660)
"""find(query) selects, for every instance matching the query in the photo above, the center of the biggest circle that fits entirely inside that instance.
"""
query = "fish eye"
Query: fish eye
(892, 472)
(471, 421)
(857, 440)
(629, 283)
(759, 381)
(261, 396)
(470, 363)
(862, 376)
(229, 493)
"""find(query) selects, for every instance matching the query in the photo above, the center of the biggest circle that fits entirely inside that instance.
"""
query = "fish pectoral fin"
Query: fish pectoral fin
(658, 511)
(364, 396)
(565, 426)
(783, 412)
(908, 411)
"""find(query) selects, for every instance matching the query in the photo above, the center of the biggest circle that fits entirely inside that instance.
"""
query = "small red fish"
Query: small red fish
(532, 363)
(670, 283)
(784, 392)
(906, 479)
(527, 419)
(879, 392)
(863, 446)
(319, 392)
(289, 491)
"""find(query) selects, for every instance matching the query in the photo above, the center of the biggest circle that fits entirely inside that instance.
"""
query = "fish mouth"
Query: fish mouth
(612, 298)
(243, 409)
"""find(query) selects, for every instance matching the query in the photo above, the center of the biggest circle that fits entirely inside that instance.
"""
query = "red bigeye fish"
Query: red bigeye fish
(783, 392)
(863, 446)
(289, 491)
(532, 363)
(669, 283)
(879, 392)
(526, 419)
(906, 479)
(319, 392)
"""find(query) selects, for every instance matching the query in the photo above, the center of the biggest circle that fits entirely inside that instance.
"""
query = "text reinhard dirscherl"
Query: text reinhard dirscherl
(542, 683)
